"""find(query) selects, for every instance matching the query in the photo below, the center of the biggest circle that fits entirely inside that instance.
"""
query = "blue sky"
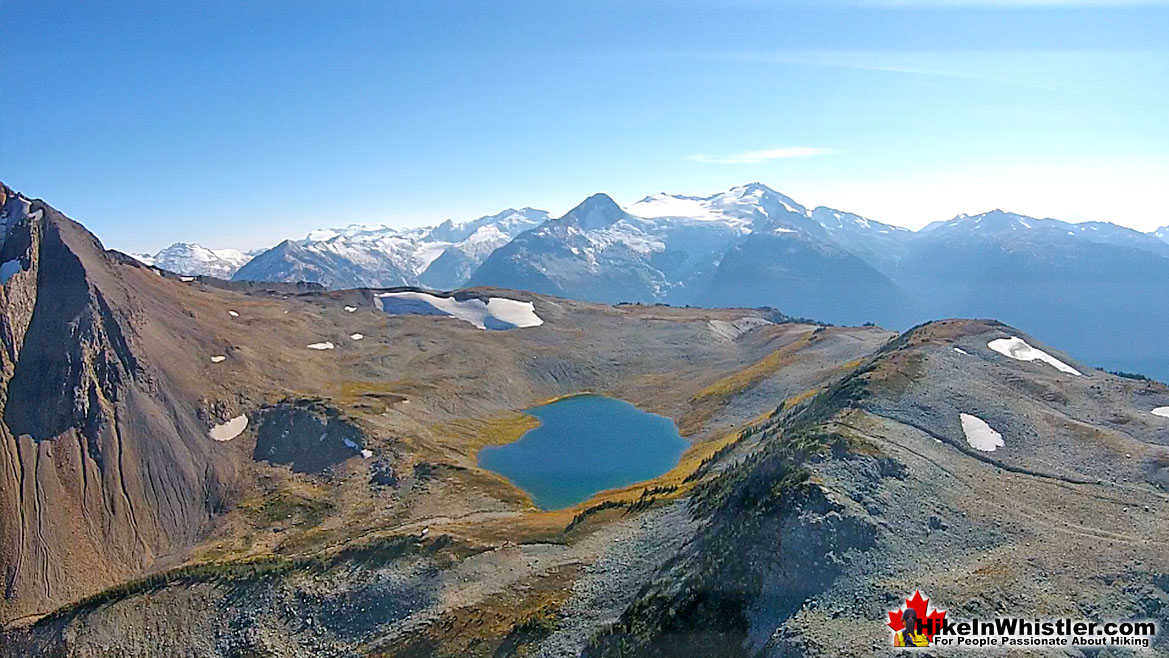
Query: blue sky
(237, 124)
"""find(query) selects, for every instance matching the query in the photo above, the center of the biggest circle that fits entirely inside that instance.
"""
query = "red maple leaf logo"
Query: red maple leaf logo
(920, 606)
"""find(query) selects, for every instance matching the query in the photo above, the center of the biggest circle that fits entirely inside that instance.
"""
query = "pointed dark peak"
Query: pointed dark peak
(597, 211)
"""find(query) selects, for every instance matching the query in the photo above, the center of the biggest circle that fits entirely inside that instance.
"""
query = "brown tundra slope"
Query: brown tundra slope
(112, 374)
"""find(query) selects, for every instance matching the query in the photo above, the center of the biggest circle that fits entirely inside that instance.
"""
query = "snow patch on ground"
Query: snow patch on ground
(514, 312)
(1018, 349)
(495, 313)
(350, 309)
(229, 430)
(366, 453)
(961, 351)
(186, 279)
(357, 336)
(321, 346)
(979, 435)
(233, 314)
(218, 359)
(734, 329)
(1161, 411)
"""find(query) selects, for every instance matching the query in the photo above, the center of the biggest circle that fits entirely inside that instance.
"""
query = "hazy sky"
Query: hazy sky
(236, 124)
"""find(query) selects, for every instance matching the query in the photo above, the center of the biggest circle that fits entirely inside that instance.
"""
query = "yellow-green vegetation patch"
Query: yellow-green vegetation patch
(508, 624)
(287, 508)
(498, 429)
(707, 401)
(741, 380)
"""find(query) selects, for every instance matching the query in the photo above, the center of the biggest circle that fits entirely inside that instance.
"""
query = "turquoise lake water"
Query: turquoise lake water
(586, 444)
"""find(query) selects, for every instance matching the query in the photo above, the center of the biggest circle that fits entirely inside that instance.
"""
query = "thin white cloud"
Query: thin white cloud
(757, 157)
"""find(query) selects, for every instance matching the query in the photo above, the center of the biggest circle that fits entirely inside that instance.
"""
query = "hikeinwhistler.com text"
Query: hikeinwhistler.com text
(1016, 632)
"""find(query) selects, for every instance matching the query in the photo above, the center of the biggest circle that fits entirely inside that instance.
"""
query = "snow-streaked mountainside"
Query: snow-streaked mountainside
(197, 260)
(671, 248)
(379, 256)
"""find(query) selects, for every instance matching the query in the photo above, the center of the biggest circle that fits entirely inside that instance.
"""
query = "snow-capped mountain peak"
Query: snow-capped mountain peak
(352, 230)
(508, 222)
(742, 206)
(596, 212)
(380, 256)
(196, 260)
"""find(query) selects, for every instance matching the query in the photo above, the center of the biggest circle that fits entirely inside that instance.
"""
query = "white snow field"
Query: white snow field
(495, 313)
(1161, 411)
(229, 430)
(1018, 349)
(734, 329)
(979, 435)
(321, 346)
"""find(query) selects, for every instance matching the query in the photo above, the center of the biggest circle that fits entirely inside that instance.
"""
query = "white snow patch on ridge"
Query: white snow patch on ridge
(514, 312)
(1161, 411)
(979, 435)
(321, 346)
(218, 359)
(1018, 349)
(736, 328)
(961, 351)
(357, 336)
(229, 430)
(495, 313)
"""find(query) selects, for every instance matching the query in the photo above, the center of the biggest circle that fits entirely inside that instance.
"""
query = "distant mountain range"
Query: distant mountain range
(442, 256)
(197, 260)
(1093, 287)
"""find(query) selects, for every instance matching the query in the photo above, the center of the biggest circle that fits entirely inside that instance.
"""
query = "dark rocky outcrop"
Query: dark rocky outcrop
(309, 437)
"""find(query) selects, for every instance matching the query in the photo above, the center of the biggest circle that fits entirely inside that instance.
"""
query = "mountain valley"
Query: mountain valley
(195, 466)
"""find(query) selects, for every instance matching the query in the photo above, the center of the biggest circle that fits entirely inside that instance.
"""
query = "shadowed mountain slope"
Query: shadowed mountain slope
(103, 467)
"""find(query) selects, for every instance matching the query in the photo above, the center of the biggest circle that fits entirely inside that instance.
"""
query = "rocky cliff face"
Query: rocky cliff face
(102, 469)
